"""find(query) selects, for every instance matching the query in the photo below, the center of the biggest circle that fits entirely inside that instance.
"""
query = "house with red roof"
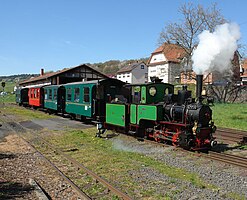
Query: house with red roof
(165, 63)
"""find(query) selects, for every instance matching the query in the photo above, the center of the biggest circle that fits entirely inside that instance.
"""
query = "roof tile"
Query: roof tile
(172, 52)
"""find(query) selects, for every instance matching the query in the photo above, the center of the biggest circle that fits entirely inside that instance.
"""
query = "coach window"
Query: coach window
(77, 95)
(86, 94)
(55, 94)
(35, 93)
(45, 93)
(69, 94)
(50, 94)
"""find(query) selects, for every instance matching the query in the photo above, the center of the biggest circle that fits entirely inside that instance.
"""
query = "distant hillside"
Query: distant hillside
(112, 66)
(17, 78)
(108, 67)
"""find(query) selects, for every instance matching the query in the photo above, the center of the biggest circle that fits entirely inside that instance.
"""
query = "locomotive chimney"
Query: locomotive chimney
(199, 79)
(42, 72)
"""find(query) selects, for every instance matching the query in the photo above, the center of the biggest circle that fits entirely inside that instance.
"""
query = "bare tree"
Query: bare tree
(228, 92)
(195, 19)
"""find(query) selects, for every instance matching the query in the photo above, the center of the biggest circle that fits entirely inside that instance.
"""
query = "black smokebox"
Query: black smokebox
(199, 79)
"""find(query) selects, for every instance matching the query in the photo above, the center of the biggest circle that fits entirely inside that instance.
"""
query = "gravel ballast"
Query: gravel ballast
(226, 178)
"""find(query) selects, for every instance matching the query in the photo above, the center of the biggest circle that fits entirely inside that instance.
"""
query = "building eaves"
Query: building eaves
(172, 52)
(50, 75)
(129, 67)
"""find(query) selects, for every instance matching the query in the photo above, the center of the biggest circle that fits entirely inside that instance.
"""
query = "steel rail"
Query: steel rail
(222, 157)
(75, 187)
(229, 130)
(228, 158)
(79, 165)
(71, 183)
(231, 135)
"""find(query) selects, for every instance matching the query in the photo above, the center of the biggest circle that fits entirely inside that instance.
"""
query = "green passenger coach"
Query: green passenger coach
(50, 99)
(88, 99)
(79, 98)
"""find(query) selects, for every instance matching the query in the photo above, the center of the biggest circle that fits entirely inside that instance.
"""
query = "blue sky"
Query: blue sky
(54, 34)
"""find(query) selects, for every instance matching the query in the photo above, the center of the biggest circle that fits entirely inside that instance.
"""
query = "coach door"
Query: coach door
(61, 92)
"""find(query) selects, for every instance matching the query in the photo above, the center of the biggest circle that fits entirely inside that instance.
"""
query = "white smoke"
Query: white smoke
(216, 50)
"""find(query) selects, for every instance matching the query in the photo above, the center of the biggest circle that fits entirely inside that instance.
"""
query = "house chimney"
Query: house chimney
(42, 72)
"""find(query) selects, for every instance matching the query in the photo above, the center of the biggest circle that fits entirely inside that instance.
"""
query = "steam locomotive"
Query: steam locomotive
(149, 110)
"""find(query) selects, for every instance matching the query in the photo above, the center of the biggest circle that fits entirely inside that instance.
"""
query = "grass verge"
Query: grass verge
(24, 113)
(230, 116)
(123, 167)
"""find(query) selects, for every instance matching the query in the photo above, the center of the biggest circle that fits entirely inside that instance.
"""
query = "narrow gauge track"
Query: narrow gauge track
(73, 185)
(222, 157)
(12, 126)
(78, 165)
(231, 135)
(228, 158)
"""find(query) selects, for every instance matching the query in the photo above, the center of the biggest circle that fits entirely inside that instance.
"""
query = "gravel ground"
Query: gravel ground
(19, 164)
(226, 178)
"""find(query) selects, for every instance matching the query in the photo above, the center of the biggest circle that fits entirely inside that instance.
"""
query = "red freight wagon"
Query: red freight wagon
(36, 95)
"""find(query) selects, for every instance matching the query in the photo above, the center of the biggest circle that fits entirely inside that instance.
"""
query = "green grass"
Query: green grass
(9, 88)
(24, 113)
(230, 115)
(235, 196)
(114, 165)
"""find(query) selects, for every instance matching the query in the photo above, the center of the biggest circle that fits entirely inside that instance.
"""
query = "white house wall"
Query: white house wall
(125, 77)
(160, 71)
(158, 58)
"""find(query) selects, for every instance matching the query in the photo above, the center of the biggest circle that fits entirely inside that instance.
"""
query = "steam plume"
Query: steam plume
(216, 50)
